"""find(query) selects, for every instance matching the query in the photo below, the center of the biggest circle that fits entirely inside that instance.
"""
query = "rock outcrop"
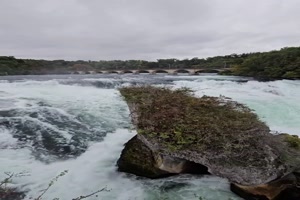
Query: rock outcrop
(136, 158)
(179, 133)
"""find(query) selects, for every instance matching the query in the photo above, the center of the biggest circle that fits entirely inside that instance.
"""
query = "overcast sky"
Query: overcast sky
(145, 29)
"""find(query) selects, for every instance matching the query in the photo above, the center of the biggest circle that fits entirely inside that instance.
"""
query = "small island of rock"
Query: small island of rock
(180, 133)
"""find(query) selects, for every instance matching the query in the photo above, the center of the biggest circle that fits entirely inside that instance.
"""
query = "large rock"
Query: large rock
(138, 159)
(224, 136)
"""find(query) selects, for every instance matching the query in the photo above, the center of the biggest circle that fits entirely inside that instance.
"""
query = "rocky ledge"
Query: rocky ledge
(179, 133)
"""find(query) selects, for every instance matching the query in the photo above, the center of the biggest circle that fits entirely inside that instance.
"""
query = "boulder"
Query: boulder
(136, 158)
(217, 135)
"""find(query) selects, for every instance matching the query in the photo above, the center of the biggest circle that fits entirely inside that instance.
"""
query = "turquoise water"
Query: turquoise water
(87, 122)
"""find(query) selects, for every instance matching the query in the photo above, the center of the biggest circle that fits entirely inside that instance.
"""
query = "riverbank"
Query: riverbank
(266, 66)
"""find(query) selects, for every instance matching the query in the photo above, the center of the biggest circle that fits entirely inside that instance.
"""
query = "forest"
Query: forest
(273, 65)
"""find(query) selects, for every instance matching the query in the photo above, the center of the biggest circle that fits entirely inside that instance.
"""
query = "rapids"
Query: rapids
(79, 123)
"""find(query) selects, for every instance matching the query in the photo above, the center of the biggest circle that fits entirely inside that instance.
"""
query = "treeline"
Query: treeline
(284, 63)
(13, 66)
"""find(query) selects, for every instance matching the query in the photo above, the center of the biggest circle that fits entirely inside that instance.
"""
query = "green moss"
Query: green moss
(293, 141)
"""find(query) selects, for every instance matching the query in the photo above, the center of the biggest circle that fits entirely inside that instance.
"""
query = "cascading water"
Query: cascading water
(79, 123)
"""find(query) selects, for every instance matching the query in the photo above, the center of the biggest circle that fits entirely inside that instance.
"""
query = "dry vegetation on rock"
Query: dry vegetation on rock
(181, 121)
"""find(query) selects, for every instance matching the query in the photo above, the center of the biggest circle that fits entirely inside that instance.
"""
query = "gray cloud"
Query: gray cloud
(145, 29)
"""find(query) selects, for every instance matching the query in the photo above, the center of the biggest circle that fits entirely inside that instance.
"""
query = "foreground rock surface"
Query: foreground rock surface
(217, 135)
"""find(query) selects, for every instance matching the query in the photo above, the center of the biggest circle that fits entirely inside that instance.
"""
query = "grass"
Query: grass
(293, 141)
(179, 121)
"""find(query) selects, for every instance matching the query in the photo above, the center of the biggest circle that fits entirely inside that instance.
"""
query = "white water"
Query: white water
(102, 109)
(277, 103)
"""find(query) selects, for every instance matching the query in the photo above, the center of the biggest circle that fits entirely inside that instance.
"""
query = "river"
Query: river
(79, 123)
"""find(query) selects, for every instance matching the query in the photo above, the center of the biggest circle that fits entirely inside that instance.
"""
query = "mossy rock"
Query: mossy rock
(288, 147)
(216, 132)
(181, 121)
(293, 141)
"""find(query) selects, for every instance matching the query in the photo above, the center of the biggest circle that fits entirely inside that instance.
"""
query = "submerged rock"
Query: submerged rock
(216, 135)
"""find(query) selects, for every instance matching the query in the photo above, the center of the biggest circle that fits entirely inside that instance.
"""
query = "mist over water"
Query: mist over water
(79, 123)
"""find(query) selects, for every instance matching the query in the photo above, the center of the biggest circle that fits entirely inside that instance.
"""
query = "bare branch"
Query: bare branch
(89, 195)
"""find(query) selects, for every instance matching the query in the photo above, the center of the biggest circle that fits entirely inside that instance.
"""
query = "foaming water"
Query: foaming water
(57, 120)
(91, 171)
(96, 169)
(49, 124)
